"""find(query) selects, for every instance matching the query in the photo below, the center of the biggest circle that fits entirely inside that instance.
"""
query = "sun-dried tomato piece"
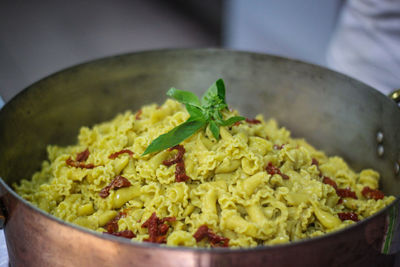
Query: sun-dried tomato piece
(237, 123)
(163, 228)
(271, 169)
(105, 191)
(327, 180)
(346, 192)
(117, 183)
(253, 121)
(201, 233)
(284, 176)
(120, 182)
(341, 192)
(112, 226)
(151, 219)
(316, 163)
(79, 162)
(116, 154)
(126, 234)
(218, 241)
(152, 225)
(83, 156)
(157, 228)
(180, 171)
(178, 157)
(215, 240)
(138, 115)
(372, 193)
(348, 216)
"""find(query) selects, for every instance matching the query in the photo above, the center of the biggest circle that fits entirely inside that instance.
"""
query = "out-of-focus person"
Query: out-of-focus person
(360, 38)
(366, 43)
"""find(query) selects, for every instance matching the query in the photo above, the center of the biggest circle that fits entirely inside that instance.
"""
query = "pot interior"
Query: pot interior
(333, 112)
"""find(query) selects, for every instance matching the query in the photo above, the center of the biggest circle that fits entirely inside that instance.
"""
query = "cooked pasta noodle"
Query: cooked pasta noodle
(254, 186)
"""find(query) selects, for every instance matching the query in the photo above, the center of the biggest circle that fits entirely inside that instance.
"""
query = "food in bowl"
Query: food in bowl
(211, 179)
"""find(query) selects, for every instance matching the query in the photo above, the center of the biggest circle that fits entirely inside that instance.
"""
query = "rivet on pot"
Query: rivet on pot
(396, 168)
(379, 137)
(380, 150)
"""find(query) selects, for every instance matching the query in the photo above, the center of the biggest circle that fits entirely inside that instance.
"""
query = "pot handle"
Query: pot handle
(2, 216)
(391, 240)
(2, 213)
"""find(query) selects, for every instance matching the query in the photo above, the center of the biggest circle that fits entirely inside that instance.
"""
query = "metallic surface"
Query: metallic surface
(380, 150)
(395, 95)
(335, 113)
(379, 137)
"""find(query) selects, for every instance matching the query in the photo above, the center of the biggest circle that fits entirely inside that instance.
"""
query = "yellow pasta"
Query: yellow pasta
(254, 186)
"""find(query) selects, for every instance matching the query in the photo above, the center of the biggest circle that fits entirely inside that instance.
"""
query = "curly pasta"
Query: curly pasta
(254, 186)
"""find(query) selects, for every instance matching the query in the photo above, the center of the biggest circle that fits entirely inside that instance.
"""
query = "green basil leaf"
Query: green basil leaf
(231, 120)
(214, 129)
(216, 93)
(184, 97)
(195, 112)
(221, 89)
(202, 113)
(217, 115)
(222, 106)
(175, 136)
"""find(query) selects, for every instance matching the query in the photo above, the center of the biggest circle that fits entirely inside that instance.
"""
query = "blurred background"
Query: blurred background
(38, 38)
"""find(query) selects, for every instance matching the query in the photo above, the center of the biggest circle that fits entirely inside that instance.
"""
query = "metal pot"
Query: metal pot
(335, 113)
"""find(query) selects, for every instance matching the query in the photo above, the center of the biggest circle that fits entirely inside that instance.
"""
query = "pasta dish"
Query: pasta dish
(253, 185)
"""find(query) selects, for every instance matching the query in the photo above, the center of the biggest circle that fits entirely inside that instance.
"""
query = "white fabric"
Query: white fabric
(366, 44)
(3, 250)
(296, 29)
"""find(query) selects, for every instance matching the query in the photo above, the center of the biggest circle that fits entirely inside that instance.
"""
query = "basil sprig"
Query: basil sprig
(203, 113)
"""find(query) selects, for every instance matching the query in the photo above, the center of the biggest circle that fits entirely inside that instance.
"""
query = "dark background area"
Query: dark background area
(38, 38)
